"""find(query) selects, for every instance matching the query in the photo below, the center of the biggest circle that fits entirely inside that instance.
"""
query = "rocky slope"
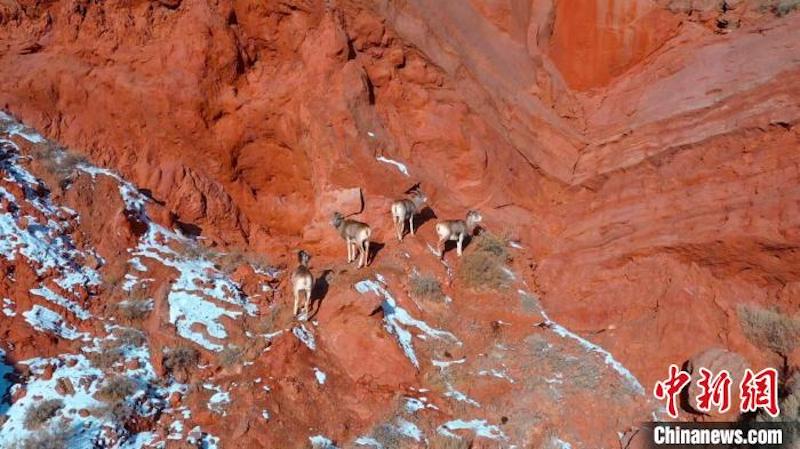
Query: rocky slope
(637, 159)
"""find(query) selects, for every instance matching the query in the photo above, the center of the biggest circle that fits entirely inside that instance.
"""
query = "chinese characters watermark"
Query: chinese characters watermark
(756, 390)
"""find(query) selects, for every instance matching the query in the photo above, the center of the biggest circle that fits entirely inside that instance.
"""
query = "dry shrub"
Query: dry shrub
(41, 412)
(426, 287)
(789, 404)
(57, 438)
(126, 336)
(117, 389)
(388, 436)
(134, 309)
(59, 162)
(276, 318)
(445, 442)
(119, 412)
(770, 328)
(231, 355)
(180, 358)
(784, 7)
(483, 265)
(105, 358)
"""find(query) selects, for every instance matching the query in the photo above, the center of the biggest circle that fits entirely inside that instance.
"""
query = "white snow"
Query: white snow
(320, 375)
(219, 400)
(559, 443)
(460, 397)
(409, 429)
(400, 166)
(42, 240)
(45, 320)
(8, 307)
(202, 440)
(500, 374)
(202, 296)
(57, 299)
(368, 441)
(633, 382)
(321, 442)
(305, 336)
(175, 431)
(14, 128)
(447, 364)
(395, 318)
(479, 426)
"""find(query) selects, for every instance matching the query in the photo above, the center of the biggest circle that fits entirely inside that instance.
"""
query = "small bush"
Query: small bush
(492, 244)
(60, 162)
(41, 412)
(426, 287)
(129, 337)
(770, 329)
(105, 358)
(388, 436)
(789, 404)
(231, 355)
(483, 265)
(119, 412)
(784, 7)
(57, 438)
(181, 358)
(117, 389)
(135, 309)
(445, 442)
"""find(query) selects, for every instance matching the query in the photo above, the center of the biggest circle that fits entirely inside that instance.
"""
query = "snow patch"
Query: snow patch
(395, 318)
(478, 426)
(400, 166)
(320, 375)
(320, 442)
(305, 336)
(368, 441)
(8, 307)
(609, 360)
(45, 320)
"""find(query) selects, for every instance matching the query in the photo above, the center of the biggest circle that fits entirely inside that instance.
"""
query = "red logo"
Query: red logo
(760, 391)
(670, 388)
(714, 391)
(756, 390)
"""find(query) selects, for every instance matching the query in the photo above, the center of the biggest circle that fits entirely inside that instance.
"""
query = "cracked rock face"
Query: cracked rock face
(162, 162)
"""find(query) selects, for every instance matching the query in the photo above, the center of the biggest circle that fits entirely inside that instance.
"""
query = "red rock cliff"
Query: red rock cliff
(640, 155)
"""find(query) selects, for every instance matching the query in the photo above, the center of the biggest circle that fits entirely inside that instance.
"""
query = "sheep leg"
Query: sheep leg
(365, 253)
(398, 228)
(307, 306)
(460, 243)
(296, 302)
(411, 224)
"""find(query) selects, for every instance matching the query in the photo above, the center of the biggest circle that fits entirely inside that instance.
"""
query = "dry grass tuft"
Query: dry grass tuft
(41, 412)
(126, 336)
(770, 329)
(117, 389)
(134, 309)
(180, 358)
(483, 265)
(231, 355)
(57, 438)
(425, 287)
(445, 442)
(59, 162)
